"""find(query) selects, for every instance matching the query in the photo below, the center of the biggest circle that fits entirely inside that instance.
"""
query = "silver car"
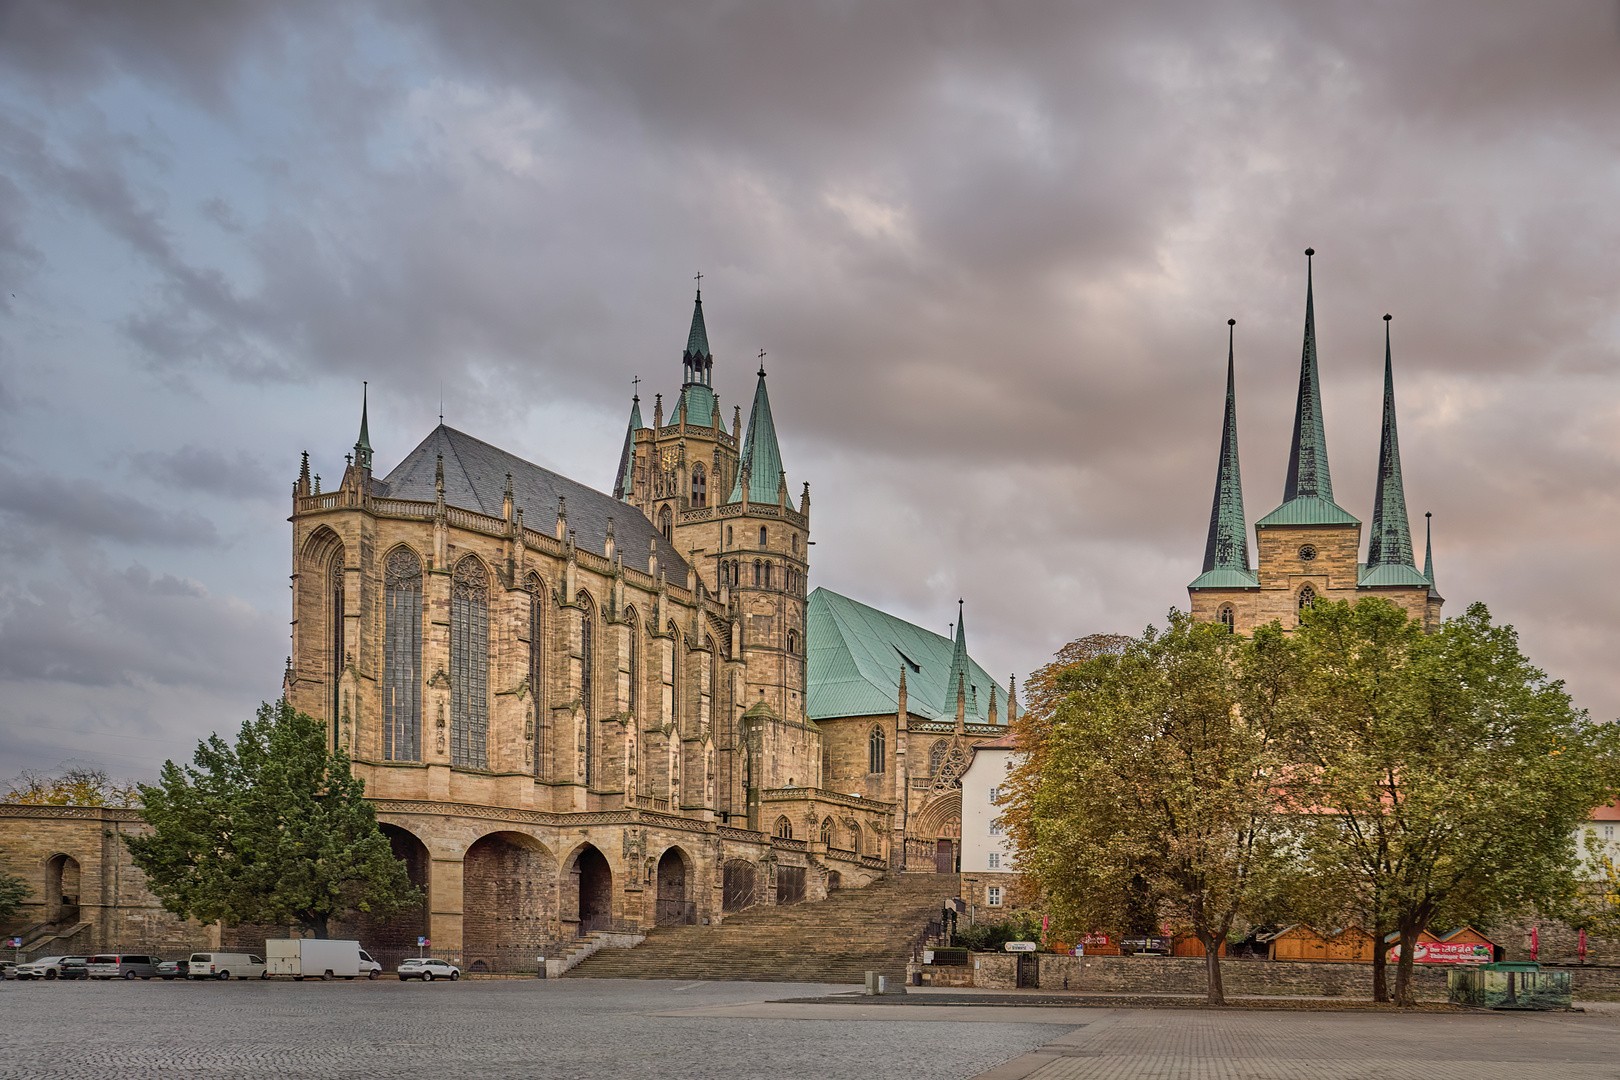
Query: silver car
(53, 967)
(427, 969)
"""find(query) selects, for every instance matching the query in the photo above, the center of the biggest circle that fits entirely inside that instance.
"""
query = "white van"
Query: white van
(226, 965)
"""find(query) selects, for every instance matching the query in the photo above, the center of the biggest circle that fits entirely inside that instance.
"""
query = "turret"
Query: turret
(760, 457)
(623, 481)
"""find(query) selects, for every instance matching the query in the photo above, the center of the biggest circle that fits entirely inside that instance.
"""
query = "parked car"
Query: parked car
(427, 969)
(171, 969)
(106, 966)
(8, 970)
(53, 967)
(226, 965)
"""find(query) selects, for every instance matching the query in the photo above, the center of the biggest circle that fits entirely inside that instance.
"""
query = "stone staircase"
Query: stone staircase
(835, 941)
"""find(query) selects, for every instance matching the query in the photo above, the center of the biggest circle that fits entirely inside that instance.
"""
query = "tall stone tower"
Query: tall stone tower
(1309, 546)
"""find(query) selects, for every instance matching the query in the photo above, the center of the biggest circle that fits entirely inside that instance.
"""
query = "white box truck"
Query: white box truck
(313, 958)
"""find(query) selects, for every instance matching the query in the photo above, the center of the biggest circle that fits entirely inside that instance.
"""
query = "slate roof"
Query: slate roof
(475, 479)
(854, 654)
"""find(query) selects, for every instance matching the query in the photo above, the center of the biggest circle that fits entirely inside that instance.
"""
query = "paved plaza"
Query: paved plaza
(728, 1031)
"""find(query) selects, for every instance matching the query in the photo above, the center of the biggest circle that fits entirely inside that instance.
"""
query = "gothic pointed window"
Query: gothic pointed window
(793, 643)
(936, 756)
(876, 758)
(635, 663)
(537, 675)
(666, 523)
(827, 831)
(402, 656)
(587, 689)
(714, 679)
(1307, 597)
(1227, 616)
(756, 573)
(784, 828)
(767, 575)
(700, 486)
(677, 659)
(469, 665)
(335, 606)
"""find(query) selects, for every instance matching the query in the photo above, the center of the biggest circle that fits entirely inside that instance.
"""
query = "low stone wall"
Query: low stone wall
(1179, 975)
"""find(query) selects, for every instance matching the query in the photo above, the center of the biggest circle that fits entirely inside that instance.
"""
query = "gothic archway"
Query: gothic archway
(673, 906)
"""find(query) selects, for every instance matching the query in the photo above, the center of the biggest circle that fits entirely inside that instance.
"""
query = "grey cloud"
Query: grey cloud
(84, 508)
(212, 470)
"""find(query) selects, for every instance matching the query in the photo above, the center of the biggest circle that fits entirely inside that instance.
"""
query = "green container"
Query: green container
(1510, 985)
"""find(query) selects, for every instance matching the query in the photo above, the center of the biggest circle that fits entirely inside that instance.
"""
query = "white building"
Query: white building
(989, 859)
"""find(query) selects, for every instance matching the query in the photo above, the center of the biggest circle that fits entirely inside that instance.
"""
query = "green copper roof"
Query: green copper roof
(760, 459)
(958, 677)
(1390, 574)
(627, 457)
(853, 661)
(697, 340)
(1428, 555)
(1226, 578)
(1308, 494)
(1389, 542)
(1227, 548)
(701, 405)
(1307, 510)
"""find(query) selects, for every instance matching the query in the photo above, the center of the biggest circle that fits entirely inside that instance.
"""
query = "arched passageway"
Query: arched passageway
(62, 890)
(737, 885)
(674, 908)
(393, 939)
(593, 885)
(508, 902)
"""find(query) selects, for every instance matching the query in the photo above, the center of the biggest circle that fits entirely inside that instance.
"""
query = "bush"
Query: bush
(991, 936)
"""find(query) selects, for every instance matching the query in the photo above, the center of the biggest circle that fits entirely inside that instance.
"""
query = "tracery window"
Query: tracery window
(635, 663)
(784, 828)
(677, 659)
(336, 598)
(1307, 597)
(936, 756)
(537, 674)
(666, 523)
(402, 656)
(469, 665)
(1227, 616)
(827, 831)
(700, 486)
(587, 664)
(876, 758)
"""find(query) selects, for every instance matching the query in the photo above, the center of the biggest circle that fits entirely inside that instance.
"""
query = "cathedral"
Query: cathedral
(578, 711)
(1309, 547)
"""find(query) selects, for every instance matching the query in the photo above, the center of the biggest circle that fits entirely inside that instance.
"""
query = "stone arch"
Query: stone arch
(62, 879)
(508, 900)
(587, 890)
(784, 828)
(319, 547)
(391, 940)
(829, 832)
(675, 879)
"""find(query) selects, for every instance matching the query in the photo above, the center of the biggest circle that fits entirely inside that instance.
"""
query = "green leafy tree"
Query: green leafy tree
(14, 893)
(272, 830)
(1148, 790)
(1443, 776)
(72, 787)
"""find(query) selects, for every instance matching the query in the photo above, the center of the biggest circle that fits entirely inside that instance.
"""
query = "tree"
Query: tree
(1444, 773)
(73, 787)
(272, 830)
(1147, 790)
(14, 893)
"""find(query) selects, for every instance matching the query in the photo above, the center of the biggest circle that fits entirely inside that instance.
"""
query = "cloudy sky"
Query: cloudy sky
(990, 249)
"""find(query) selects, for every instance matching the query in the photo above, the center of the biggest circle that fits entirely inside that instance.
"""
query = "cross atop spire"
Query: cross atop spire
(1226, 551)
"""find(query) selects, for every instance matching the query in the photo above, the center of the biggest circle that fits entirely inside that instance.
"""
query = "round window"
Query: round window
(1307, 552)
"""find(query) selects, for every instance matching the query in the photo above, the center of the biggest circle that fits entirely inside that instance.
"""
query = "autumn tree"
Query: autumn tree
(14, 893)
(1145, 784)
(272, 830)
(73, 786)
(1444, 772)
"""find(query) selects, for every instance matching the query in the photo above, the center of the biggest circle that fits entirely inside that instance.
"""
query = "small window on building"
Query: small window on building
(1307, 597)
(757, 573)
(995, 827)
(700, 486)
(995, 795)
(995, 860)
(992, 896)
(729, 541)
(784, 828)
(876, 758)
(762, 536)
(793, 643)
(1227, 616)
(795, 543)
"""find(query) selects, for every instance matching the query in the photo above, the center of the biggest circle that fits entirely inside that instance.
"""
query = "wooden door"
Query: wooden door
(944, 856)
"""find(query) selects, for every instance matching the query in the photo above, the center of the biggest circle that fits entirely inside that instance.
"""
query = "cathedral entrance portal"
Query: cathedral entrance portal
(944, 856)
(673, 908)
(595, 890)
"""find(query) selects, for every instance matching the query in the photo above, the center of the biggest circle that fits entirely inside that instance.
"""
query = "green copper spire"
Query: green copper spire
(696, 359)
(1428, 554)
(1308, 494)
(1226, 552)
(1390, 541)
(622, 484)
(960, 679)
(1308, 463)
(761, 459)
(362, 448)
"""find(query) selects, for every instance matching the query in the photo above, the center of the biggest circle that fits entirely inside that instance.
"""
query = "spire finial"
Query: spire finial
(762, 362)
(635, 393)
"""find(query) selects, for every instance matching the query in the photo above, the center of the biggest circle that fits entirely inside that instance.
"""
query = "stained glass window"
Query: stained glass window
(402, 656)
(469, 665)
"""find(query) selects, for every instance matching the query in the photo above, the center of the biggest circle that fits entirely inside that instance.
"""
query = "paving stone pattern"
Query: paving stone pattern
(1165, 1045)
(491, 1029)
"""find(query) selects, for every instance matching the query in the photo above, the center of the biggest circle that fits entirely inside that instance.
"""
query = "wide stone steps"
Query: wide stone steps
(835, 940)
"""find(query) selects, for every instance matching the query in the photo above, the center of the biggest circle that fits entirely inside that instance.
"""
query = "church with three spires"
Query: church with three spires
(1309, 547)
(578, 710)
